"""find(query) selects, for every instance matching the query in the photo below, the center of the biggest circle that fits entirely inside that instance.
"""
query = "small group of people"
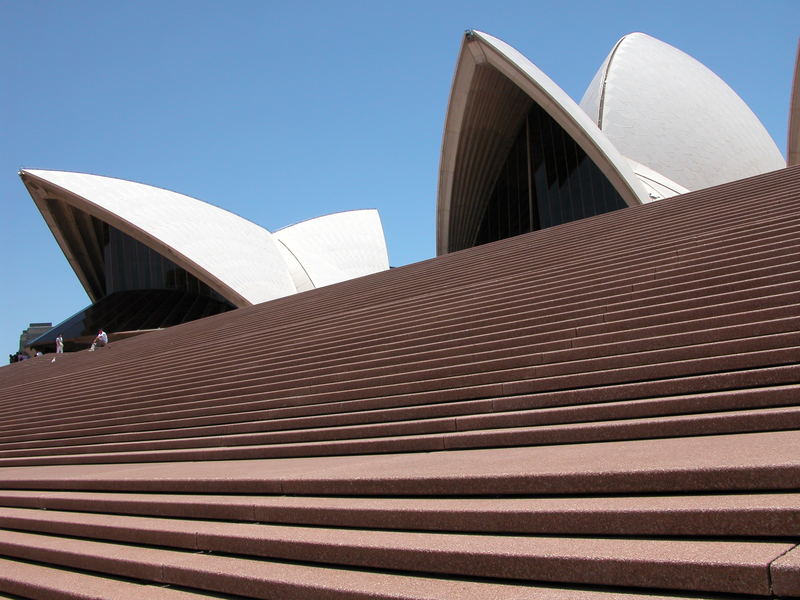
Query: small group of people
(24, 355)
(18, 357)
(100, 340)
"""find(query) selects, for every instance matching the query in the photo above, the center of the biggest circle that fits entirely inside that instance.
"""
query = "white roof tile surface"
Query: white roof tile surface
(664, 109)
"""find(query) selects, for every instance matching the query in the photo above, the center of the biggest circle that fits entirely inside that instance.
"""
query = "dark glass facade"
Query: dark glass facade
(141, 290)
(133, 310)
(130, 265)
(546, 180)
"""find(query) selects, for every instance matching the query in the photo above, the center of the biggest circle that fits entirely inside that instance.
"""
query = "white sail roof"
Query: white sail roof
(240, 260)
(337, 247)
(662, 108)
(234, 256)
(471, 138)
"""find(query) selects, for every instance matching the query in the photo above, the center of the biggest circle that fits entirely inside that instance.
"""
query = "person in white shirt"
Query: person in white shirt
(59, 344)
(101, 339)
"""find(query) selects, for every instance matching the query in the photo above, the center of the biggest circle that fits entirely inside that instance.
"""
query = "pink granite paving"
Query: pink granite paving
(266, 580)
(757, 461)
(51, 583)
(746, 514)
(785, 573)
(721, 566)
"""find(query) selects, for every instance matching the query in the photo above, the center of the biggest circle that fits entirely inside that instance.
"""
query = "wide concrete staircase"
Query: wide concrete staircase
(605, 409)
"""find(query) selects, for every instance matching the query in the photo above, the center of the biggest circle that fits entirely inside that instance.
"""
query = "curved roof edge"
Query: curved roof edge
(481, 48)
(300, 277)
(336, 247)
(793, 137)
(235, 257)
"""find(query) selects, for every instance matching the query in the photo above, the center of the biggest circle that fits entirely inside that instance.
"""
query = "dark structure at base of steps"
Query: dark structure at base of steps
(602, 410)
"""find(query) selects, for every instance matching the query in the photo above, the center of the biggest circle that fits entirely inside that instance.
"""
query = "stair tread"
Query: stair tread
(773, 514)
(718, 566)
(42, 582)
(756, 461)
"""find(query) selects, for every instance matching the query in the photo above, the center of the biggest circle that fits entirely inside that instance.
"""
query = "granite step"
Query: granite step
(379, 409)
(468, 414)
(754, 462)
(265, 579)
(733, 411)
(738, 567)
(697, 515)
(553, 379)
(40, 582)
(266, 390)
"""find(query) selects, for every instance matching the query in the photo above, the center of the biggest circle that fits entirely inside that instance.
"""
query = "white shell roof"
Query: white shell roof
(235, 257)
(569, 115)
(481, 48)
(662, 108)
(337, 247)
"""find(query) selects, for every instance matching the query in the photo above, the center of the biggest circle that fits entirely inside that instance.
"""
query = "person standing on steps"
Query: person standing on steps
(101, 339)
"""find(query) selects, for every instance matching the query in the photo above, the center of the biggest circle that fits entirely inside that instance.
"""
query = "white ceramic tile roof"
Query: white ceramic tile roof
(662, 108)
(337, 247)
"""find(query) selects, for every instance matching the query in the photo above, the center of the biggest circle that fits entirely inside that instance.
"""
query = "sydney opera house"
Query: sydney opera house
(591, 394)
(518, 155)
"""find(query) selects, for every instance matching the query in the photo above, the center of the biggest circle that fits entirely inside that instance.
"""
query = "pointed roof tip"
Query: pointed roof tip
(474, 34)
(639, 34)
(44, 173)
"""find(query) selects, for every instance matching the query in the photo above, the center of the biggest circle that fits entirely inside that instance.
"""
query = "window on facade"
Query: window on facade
(130, 265)
(546, 180)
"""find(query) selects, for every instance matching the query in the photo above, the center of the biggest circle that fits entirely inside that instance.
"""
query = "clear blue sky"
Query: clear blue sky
(283, 111)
